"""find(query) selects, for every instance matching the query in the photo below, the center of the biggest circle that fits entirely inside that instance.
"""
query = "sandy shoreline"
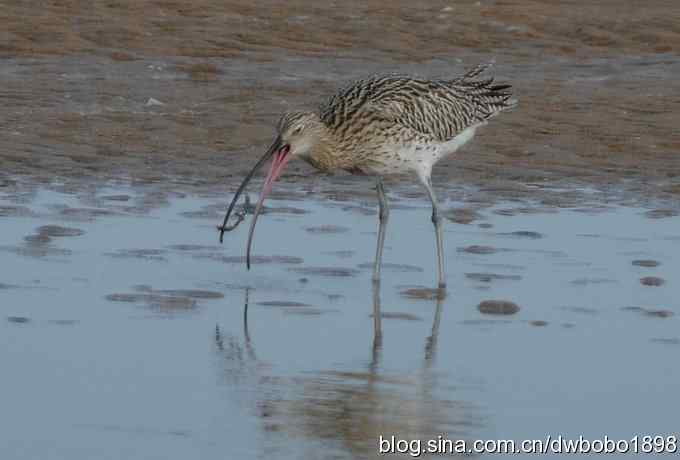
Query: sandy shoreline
(598, 97)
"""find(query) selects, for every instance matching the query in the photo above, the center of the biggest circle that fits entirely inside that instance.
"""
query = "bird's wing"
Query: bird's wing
(436, 109)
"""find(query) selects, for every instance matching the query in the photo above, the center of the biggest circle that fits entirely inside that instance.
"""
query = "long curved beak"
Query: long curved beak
(280, 155)
(276, 145)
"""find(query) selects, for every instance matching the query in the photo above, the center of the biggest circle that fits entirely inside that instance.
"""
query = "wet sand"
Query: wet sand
(128, 331)
(186, 95)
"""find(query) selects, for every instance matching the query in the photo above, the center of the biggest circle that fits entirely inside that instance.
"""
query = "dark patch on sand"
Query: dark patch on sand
(488, 277)
(116, 197)
(37, 245)
(398, 268)
(38, 251)
(505, 212)
(527, 234)
(198, 294)
(659, 313)
(341, 272)
(648, 263)
(15, 211)
(651, 312)
(306, 311)
(63, 322)
(283, 260)
(38, 238)
(18, 319)
(326, 229)
(399, 315)
(538, 323)
(59, 231)
(191, 293)
(141, 254)
(161, 302)
(131, 298)
(463, 216)
(165, 300)
(665, 341)
(592, 210)
(170, 303)
(424, 293)
(587, 281)
(200, 71)
(283, 303)
(581, 310)
(121, 56)
(498, 307)
(192, 247)
(661, 213)
(652, 281)
(478, 249)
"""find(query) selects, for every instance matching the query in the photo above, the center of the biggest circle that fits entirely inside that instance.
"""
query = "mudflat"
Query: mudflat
(165, 91)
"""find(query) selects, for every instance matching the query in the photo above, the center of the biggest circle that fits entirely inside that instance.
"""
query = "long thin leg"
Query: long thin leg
(383, 216)
(437, 221)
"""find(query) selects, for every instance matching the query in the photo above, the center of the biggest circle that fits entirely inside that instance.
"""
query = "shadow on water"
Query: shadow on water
(348, 411)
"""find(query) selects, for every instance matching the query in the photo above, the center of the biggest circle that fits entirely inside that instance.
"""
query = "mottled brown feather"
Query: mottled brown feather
(437, 109)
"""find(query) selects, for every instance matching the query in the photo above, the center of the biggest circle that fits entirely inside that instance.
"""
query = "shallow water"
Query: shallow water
(125, 334)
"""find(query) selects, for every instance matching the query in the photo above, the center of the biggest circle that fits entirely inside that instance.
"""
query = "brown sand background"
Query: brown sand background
(597, 82)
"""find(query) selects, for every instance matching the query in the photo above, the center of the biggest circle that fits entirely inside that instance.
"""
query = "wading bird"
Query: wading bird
(383, 126)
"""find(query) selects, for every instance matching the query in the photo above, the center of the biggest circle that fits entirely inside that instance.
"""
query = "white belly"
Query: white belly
(457, 142)
(417, 157)
(426, 156)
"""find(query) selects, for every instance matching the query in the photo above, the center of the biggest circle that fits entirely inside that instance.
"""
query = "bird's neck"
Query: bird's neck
(327, 153)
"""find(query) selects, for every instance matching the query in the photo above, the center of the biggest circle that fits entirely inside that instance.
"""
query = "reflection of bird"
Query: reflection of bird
(357, 407)
(347, 409)
(382, 126)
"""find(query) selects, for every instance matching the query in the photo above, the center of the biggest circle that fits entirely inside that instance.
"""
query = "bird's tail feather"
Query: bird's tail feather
(491, 99)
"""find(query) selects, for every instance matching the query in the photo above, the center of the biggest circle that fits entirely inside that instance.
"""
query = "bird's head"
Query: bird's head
(300, 132)
(296, 135)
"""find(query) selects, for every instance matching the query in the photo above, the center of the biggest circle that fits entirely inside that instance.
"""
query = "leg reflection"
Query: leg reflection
(377, 330)
(431, 342)
(230, 346)
(246, 335)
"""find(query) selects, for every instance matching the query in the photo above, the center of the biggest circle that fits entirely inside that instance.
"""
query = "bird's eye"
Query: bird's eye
(297, 130)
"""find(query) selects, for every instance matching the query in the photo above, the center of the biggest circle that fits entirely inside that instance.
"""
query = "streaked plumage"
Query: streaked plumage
(385, 125)
(435, 109)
